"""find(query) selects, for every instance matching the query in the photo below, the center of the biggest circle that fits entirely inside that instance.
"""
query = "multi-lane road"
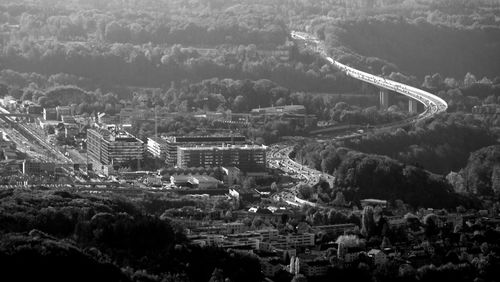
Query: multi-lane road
(279, 155)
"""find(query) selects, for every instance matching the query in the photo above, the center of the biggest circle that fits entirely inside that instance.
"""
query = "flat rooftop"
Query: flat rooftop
(158, 140)
(119, 135)
(280, 108)
(204, 178)
(222, 138)
(237, 147)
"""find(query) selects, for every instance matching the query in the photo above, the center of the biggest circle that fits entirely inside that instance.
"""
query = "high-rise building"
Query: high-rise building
(113, 147)
(174, 142)
(248, 158)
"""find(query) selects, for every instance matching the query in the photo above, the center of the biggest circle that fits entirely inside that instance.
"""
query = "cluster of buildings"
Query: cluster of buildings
(295, 252)
(286, 112)
(209, 151)
(231, 156)
(126, 116)
(259, 116)
(115, 146)
(238, 235)
(110, 146)
(61, 118)
(110, 149)
(304, 249)
(64, 120)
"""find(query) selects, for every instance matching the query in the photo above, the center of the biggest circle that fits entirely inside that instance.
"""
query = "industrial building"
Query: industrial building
(247, 158)
(113, 147)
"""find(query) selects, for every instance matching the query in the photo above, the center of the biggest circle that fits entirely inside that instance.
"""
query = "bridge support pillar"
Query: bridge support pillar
(365, 87)
(412, 106)
(384, 99)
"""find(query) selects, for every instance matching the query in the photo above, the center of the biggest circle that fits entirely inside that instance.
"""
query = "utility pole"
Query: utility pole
(156, 124)
(87, 155)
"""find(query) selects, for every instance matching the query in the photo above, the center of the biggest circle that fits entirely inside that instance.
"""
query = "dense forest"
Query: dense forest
(482, 173)
(100, 48)
(205, 39)
(421, 46)
(367, 176)
(52, 259)
(441, 145)
(53, 231)
(361, 176)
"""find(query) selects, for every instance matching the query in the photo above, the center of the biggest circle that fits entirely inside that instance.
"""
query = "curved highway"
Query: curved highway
(279, 157)
(433, 104)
